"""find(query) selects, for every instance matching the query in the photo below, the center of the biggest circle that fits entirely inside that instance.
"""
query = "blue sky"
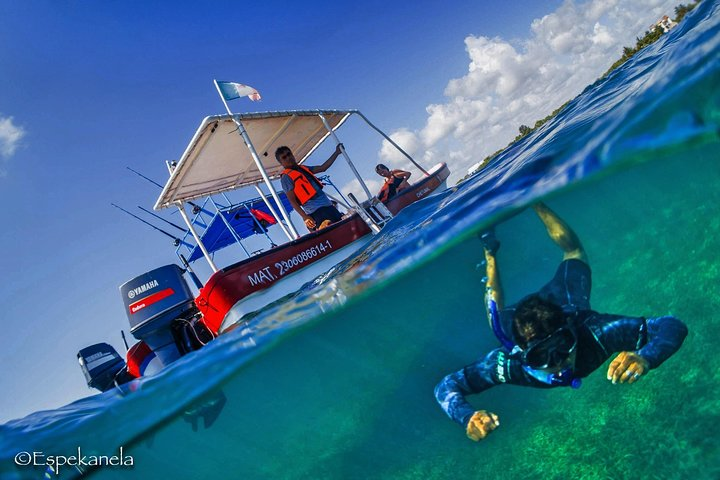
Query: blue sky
(88, 88)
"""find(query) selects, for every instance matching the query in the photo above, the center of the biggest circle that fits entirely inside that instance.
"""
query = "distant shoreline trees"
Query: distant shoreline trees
(650, 37)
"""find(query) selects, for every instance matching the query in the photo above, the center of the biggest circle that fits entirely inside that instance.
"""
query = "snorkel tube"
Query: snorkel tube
(492, 309)
(565, 377)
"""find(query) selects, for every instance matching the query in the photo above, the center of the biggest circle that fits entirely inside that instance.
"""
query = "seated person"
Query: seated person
(395, 182)
(304, 190)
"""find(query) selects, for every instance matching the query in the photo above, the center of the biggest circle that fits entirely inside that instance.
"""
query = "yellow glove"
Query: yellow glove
(627, 367)
(481, 424)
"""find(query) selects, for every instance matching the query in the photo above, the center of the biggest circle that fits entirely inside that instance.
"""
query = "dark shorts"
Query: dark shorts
(326, 213)
(570, 287)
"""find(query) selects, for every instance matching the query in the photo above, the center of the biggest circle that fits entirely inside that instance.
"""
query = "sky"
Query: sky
(90, 88)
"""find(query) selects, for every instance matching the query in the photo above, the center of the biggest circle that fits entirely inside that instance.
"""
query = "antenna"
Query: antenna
(176, 241)
(192, 274)
(143, 176)
(196, 208)
(161, 218)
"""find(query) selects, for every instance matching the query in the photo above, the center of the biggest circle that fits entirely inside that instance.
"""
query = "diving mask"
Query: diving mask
(551, 351)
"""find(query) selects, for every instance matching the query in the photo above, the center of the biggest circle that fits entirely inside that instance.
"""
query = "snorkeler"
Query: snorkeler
(552, 338)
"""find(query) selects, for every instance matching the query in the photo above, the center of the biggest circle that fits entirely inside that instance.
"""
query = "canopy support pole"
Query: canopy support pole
(274, 213)
(258, 163)
(183, 213)
(259, 225)
(326, 180)
(229, 227)
(392, 143)
(345, 155)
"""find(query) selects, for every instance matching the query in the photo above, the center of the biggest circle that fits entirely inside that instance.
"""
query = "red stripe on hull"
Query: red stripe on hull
(229, 285)
(235, 282)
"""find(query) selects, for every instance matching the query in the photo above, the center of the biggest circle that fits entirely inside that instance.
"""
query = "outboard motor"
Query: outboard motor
(161, 311)
(100, 364)
(163, 317)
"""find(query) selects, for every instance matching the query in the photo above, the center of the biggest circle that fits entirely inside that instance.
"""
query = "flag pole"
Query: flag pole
(258, 163)
(222, 97)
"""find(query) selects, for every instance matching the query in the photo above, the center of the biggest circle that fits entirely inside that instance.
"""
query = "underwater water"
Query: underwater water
(336, 381)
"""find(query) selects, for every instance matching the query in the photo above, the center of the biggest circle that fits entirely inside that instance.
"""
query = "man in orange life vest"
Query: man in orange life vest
(304, 190)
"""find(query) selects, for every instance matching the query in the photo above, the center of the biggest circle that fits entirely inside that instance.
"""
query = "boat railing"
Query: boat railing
(373, 212)
(223, 222)
(188, 180)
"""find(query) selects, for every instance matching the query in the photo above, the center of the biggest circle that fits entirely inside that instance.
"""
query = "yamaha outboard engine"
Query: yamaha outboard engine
(160, 307)
(100, 364)
(163, 317)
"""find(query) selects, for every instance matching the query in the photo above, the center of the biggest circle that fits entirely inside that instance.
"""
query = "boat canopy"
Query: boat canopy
(217, 159)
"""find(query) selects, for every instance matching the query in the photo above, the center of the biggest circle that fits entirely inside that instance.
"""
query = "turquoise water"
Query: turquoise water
(337, 380)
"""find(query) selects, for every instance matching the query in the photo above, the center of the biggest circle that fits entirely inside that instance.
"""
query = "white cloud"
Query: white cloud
(507, 85)
(392, 156)
(10, 137)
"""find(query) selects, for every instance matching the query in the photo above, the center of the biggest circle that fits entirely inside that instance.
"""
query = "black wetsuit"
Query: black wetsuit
(599, 336)
(390, 189)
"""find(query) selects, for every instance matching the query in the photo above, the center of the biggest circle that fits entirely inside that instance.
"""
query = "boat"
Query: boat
(235, 152)
(219, 160)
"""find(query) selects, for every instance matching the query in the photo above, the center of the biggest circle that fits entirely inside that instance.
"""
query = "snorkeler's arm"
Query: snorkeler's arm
(475, 378)
(481, 424)
(665, 336)
(643, 344)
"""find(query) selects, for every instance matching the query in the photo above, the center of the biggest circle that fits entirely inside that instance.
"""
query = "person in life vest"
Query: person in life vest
(552, 338)
(304, 190)
(395, 182)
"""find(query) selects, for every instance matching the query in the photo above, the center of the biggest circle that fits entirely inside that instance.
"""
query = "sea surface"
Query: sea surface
(336, 381)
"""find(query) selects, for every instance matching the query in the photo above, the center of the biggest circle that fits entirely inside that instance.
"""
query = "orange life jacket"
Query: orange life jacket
(389, 189)
(302, 186)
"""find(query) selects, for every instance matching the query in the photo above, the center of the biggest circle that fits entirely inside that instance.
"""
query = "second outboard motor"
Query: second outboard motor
(100, 364)
(152, 302)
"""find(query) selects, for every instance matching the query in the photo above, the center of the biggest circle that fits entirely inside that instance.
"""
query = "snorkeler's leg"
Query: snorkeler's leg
(561, 233)
(493, 288)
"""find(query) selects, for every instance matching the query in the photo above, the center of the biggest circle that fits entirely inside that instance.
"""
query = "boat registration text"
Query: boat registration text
(284, 266)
